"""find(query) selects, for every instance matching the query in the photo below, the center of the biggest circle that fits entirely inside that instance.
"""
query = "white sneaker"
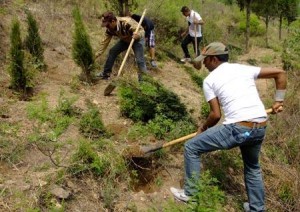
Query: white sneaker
(179, 194)
(246, 207)
(153, 63)
(184, 60)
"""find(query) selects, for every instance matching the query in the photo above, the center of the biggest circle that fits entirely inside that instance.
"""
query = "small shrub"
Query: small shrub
(291, 51)
(160, 125)
(65, 105)
(33, 42)
(99, 158)
(256, 28)
(91, 125)
(16, 68)
(208, 197)
(142, 102)
(53, 120)
(82, 51)
(39, 111)
(86, 159)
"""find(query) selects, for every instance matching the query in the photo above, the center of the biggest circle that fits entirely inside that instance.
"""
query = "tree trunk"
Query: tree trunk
(267, 29)
(126, 7)
(248, 12)
(123, 7)
(280, 26)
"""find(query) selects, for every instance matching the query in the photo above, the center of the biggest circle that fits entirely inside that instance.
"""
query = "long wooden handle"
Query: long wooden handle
(178, 140)
(195, 29)
(131, 43)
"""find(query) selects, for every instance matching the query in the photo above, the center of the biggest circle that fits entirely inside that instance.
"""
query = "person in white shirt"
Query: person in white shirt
(232, 87)
(192, 34)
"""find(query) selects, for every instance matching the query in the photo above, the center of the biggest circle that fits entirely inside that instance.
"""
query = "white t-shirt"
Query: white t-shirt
(194, 16)
(234, 86)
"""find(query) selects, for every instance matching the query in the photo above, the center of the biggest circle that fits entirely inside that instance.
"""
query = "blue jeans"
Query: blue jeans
(226, 137)
(120, 46)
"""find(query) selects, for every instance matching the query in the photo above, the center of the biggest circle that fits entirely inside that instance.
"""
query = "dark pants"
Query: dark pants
(138, 49)
(186, 41)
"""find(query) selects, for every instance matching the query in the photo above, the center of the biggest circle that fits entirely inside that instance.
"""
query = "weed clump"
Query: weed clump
(99, 158)
(91, 125)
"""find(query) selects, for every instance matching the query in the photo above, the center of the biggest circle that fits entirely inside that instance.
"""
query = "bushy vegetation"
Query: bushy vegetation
(33, 42)
(156, 110)
(82, 51)
(143, 102)
(208, 197)
(16, 69)
(291, 51)
(87, 159)
(23, 65)
(256, 28)
(91, 125)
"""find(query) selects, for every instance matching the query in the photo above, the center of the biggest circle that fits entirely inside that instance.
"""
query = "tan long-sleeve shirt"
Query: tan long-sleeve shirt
(126, 26)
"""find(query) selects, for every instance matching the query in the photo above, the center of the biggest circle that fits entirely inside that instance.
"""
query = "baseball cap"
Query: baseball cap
(215, 48)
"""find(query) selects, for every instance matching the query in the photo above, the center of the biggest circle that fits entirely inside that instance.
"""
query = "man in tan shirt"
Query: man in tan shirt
(124, 28)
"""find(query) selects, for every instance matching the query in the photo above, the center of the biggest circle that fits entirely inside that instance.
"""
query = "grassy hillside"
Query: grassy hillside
(63, 148)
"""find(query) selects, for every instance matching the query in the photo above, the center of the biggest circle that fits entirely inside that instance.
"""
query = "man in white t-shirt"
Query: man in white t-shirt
(192, 34)
(231, 86)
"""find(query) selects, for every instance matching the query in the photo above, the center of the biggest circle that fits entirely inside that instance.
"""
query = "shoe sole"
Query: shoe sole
(179, 200)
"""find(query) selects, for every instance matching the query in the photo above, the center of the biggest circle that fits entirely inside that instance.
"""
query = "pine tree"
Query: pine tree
(81, 49)
(16, 68)
(33, 41)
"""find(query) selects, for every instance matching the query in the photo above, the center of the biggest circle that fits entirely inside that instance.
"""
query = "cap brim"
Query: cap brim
(199, 58)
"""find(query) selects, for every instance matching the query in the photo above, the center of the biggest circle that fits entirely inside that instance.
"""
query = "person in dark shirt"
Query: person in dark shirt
(148, 26)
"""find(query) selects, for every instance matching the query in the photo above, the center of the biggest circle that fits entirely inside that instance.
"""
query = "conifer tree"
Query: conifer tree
(81, 48)
(16, 68)
(33, 41)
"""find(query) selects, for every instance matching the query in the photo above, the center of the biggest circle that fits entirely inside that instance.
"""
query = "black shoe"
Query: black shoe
(102, 75)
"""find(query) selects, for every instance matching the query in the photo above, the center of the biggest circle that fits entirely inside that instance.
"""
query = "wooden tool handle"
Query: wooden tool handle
(178, 140)
(270, 110)
(131, 43)
(195, 30)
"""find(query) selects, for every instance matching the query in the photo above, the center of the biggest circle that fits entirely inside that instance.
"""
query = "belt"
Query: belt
(252, 124)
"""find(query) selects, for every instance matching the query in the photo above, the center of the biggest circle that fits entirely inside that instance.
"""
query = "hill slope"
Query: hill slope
(27, 182)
